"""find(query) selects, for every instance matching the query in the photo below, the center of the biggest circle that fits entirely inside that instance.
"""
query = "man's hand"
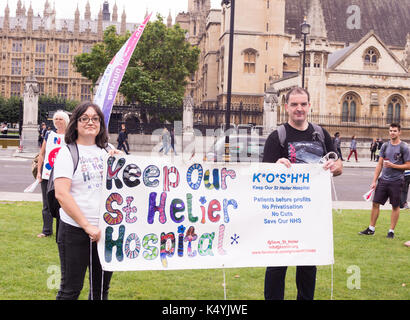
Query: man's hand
(387, 164)
(335, 167)
(285, 162)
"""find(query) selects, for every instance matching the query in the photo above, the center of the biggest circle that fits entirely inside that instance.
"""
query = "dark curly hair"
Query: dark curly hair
(71, 135)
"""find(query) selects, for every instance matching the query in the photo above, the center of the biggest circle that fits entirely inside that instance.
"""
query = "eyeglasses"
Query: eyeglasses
(85, 119)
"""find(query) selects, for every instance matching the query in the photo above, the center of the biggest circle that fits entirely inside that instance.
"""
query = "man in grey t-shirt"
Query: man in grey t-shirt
(394, 159)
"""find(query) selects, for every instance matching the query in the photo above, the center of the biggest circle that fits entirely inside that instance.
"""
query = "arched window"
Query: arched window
(349, 108)
(249, 60)
(394, 110)
(371, 58)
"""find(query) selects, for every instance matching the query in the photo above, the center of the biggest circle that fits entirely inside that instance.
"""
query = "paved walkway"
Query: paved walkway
(13, 153)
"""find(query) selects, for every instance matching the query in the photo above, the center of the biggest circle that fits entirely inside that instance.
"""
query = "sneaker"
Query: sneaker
(367, 232)
(390, 235)
(406, 206)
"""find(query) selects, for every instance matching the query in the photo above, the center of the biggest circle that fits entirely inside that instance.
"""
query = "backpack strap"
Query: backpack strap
(403, 147)
(318, 132)
(318, 129)
(73, 148)
(282, 135)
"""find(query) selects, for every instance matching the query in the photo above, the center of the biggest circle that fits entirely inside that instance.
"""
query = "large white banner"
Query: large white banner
(158, 214)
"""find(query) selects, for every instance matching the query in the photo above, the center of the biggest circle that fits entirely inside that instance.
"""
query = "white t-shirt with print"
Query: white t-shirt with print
(87, 180)
(53, 145)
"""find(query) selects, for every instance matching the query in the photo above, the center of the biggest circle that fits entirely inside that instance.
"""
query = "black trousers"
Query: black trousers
(275, 282)
(74, 251)
(47, 217)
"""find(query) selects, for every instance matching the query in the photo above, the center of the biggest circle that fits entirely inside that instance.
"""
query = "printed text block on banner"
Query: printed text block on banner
(163, 215)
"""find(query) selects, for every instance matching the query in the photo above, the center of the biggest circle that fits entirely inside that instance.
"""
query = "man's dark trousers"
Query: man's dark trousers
(305, 282)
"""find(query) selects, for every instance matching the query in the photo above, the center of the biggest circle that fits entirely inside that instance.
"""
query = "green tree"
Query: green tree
(10, 109)
(158, 69)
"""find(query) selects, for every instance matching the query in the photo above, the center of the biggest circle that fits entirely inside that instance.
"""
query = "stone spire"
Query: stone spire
(407, 54)
(47, 8)
(169, 20)
(30, 19)
(19, 9)
(6, 22)
(77, 21)
(115, 12)
(100, 24)
(316, 20)
(87, 14)
(123, 22)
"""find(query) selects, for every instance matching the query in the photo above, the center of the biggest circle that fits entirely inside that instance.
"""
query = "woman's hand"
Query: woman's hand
(93, 232)
(113, 152)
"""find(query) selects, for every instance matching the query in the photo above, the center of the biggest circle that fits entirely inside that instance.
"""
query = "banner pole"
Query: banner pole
(224, 283)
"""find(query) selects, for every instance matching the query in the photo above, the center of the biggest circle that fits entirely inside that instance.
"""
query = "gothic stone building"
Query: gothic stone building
(44, 46)
(357, 57)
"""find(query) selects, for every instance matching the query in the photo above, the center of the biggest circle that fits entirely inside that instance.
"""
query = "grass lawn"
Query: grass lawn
(366, 267)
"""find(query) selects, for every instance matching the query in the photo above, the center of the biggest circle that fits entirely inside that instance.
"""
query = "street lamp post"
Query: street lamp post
(229, 88)
(305, 29)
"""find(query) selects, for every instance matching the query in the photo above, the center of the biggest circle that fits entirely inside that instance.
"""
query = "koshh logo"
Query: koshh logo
(272, 177)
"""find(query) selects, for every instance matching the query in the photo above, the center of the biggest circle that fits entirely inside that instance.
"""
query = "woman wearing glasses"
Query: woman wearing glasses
(78, 192)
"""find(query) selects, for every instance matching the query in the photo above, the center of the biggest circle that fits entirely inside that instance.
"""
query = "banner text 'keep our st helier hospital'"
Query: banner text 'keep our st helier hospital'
(166, 215)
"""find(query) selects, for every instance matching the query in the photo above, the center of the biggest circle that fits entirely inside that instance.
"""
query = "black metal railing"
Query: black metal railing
(144, 119)
(355, 122)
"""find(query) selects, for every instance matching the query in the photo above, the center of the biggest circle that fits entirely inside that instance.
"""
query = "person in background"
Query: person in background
(379, 146)
(122, 140)
(373, 148)
(172, 136)
(165, 141)
(353, 149)
(337, 143)
(405, 190)
(41, 134)
(4, 128)
(394, 159)
(79, 193)
(50, 147)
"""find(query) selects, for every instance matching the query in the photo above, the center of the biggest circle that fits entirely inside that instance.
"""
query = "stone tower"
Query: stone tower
(317, 52)
(198, 10)
(106, 11)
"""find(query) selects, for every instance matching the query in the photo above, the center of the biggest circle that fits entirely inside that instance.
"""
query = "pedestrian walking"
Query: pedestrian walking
(300, 137)
(172, 136)
(353, 149)
(123, 140)
(337, 144)
(394, 159)
(165, 141)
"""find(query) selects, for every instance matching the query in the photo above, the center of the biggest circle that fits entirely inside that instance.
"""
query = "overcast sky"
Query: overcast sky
(134, 9)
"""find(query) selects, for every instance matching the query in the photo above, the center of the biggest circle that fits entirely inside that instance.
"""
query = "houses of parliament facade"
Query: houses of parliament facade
(39, 44)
